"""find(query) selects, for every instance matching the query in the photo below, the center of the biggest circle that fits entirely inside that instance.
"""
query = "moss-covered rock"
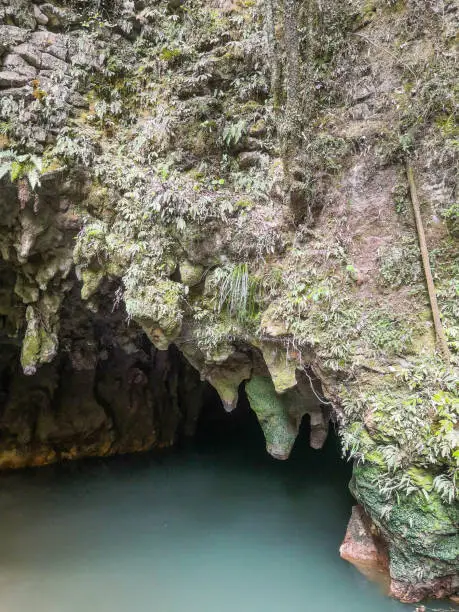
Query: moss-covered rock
(421, 531)
(41, 341)
(158, 309)
(227, 376)
(26, 289)
(190, 274)
(278, 415)
(91, 279)
(280, 365)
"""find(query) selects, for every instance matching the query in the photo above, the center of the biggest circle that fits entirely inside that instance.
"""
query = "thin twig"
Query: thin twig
(322, 400)
(439, 332)
(386, 51)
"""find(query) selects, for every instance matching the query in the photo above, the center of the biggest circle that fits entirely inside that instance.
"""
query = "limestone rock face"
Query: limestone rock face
(364, 548)
(153, 200)
(419, 533)
(109, 391)
(278, 414)
(157, 308)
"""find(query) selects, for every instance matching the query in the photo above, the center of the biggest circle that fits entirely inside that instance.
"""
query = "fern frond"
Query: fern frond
(34, 178)
(7, 154)
(4, 170)
(15, 171)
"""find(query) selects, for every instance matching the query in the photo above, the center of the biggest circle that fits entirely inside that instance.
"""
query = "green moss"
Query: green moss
(30, 350)
(250, 106)
(278, 415)
(26, 290)
(91, 280)
(376, 457)
(190, 274)
(448, 126)
(244, 204)
(281, 369)
(158, 309)
(170, 55)
(451, 216)
(258, 128)
(421, 478)
(421, 531)
(40, 342)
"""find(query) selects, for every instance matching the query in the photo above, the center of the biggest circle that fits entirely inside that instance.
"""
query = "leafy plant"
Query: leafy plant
(74, 148)
(27, 166)
(451, 216)
(236, 291)
(400, 264)
(233, 133)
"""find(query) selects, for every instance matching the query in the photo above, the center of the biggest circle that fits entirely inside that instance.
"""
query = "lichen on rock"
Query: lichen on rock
(157, 308)
(41, 342)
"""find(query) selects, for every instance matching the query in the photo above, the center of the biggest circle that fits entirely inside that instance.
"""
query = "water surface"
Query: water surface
(216, 527)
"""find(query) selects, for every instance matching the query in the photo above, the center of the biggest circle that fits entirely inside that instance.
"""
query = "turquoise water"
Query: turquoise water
(216, 527)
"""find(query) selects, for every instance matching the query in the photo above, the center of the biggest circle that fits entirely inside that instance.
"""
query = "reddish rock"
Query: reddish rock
(440, 588)
(365, 549)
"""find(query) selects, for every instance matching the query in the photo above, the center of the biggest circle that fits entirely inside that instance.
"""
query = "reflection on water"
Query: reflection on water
(218, 527)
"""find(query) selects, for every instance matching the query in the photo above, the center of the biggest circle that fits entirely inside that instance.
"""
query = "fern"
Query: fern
(5, 126)
(21, 166)
(233, 133)
(446, 488)
(237, 291)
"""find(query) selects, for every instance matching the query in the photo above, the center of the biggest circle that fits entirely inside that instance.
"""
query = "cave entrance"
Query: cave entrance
(218, 429)
(239, 434)
(216, 525)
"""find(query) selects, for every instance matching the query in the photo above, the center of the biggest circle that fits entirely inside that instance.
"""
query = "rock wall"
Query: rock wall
(161, 186)
(106, 391)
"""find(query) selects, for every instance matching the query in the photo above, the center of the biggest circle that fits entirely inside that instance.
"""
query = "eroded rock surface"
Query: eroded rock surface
(156, 190)
(364, 548)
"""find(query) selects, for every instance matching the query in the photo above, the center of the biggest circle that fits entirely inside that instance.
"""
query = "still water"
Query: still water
(216, 527)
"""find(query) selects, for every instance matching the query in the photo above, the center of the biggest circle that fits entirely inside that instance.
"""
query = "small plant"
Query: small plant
(451, 216)
(74, 148)
(233, 133)
(38, 93)
(401, 198)
(236, 290)
(5, 127)
(170, 55)
(27, 166)
(400, 264)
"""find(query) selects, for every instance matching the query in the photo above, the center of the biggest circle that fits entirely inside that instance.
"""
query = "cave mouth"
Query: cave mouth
(239, 436)
(217, 429)
(216, 524)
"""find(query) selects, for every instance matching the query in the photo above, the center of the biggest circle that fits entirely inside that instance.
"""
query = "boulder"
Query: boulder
(8, 78)
(29, 53)
(363, 548)
(40, 17)
(250, 159)
(420, 533)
